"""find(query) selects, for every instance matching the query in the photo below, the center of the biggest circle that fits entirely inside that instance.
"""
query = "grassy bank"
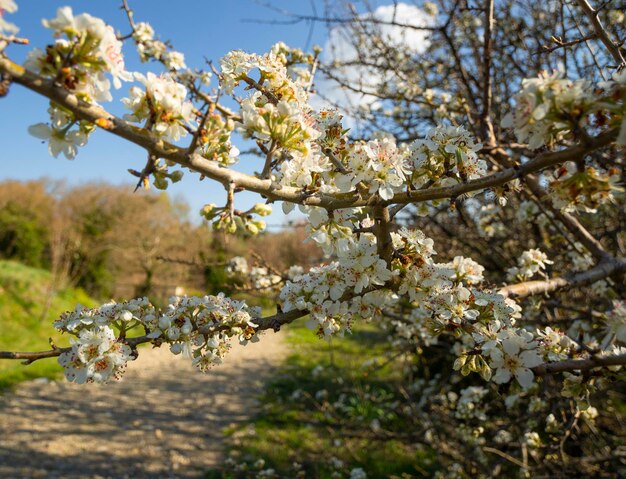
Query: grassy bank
(24, 323)
(327, 410)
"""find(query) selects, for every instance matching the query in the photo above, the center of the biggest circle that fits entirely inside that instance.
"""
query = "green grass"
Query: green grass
(23, 292)
(295, 426)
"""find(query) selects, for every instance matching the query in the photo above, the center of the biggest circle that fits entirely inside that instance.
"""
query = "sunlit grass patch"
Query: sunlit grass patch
(327, 411)
(23, 324)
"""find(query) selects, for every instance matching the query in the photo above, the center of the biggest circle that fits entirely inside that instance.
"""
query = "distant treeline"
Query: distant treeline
(115, 243)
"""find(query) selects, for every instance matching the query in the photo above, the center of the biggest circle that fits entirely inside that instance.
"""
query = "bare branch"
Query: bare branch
(561, 44)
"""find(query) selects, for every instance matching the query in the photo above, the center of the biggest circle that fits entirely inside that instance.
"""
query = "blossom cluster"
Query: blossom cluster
(85, 53)
(529, 263)
(149, 48)
(313, 151)
(445, 300)
(584, 189)
(96, 354)
(199, 327)
(163, 103)
(215, 140)
(548, 108)
(282, 124)
(448, 155)
(378, 164)
(258, 278)
(338, 293)
(277, 114)
(278, 67)
(85, 50)
(332, 231)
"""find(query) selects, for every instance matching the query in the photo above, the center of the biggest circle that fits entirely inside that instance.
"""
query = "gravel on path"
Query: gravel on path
(163, 420)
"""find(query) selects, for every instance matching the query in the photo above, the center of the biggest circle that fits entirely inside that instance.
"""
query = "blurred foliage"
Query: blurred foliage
(116, 243)
(22, 236)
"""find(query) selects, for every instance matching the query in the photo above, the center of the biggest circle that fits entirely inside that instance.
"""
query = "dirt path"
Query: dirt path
(163, 420)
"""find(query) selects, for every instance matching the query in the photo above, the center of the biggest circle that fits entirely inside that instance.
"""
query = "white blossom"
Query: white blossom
(529, 263)
(174, 60)
(59, 141)
(7, 6)
(163, 99)
(516, 356)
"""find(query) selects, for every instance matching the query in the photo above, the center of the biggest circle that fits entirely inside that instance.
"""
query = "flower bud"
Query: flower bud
(176, 176)
(173, 333)
(262, 209)
(252, 229)
(160, 183)
(164, 322)
(207, 210)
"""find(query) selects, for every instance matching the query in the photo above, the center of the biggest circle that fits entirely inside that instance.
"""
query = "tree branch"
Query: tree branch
(487, 93)
(529, 288)
(601, 32)
(580, 364)
(382, 231)
(161, 149)
(30, 357)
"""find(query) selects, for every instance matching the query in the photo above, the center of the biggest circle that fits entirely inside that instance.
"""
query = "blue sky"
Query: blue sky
(199, 29)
